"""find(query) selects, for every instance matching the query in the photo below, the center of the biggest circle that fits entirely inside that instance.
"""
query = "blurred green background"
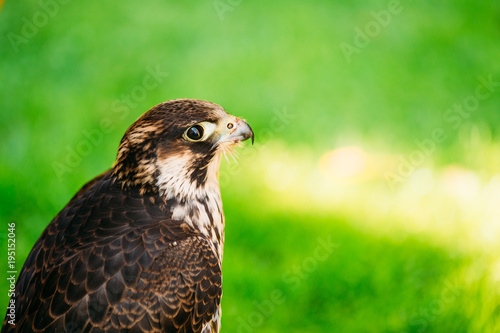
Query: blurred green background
(371, 199)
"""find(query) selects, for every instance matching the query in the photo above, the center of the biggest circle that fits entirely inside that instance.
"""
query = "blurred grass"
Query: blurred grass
(395, 255)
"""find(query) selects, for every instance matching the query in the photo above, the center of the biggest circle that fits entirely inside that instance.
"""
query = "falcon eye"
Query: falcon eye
(230, 125)
(194, 133)
(199, 132)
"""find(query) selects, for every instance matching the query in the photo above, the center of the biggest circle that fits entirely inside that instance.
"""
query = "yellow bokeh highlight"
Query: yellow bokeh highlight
(450, 205)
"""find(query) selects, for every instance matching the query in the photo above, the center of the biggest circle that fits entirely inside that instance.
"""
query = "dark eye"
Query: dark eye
(194, 133)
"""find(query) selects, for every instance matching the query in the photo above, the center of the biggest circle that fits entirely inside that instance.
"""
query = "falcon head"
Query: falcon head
(175, 148)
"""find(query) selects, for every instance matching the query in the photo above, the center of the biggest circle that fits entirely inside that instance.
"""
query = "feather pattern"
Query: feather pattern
(126, 265)
(139, 248)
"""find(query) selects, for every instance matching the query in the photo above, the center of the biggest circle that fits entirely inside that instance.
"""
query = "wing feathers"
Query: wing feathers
(114, 261)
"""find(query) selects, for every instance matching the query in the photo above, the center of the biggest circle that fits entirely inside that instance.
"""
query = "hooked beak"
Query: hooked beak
(238, 131)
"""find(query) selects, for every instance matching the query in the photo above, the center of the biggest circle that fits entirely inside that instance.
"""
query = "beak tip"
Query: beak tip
(251, 135)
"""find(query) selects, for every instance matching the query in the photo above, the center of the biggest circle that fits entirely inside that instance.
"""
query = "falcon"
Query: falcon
(139, 248)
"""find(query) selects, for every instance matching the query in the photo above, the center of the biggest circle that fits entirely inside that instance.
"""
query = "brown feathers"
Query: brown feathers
(139, 248)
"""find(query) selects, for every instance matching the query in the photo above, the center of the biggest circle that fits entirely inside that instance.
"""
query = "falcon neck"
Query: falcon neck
(203, 214)
(193, 200)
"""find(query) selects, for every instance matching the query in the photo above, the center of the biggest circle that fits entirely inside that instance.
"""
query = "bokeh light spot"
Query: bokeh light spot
(343, 163)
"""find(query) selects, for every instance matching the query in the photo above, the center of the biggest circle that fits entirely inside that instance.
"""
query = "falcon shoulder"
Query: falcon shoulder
(113, 260)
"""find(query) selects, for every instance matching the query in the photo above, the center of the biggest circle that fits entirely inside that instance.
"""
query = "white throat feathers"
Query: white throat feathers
(198, 205)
